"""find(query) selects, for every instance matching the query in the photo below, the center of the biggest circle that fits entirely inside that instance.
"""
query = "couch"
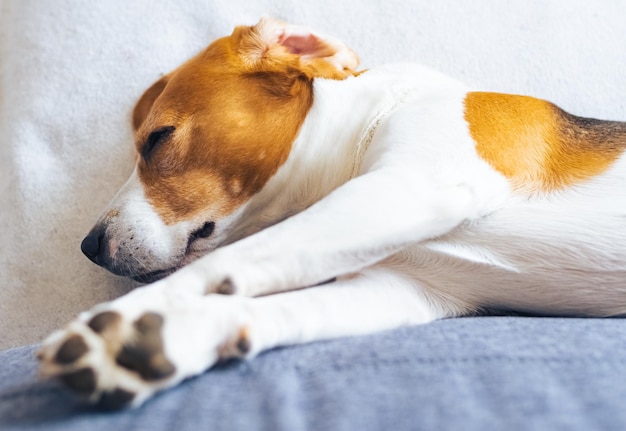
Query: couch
(70, 72)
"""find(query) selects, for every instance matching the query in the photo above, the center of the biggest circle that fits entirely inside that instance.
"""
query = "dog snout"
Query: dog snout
(94, 246)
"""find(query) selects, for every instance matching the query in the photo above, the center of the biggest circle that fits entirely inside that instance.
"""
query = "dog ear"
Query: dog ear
(316, 55)
(143, 106)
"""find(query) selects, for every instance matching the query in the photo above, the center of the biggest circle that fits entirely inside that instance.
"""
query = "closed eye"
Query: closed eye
(156, 138)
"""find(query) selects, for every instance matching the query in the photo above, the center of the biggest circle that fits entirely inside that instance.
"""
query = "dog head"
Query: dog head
(209, 136)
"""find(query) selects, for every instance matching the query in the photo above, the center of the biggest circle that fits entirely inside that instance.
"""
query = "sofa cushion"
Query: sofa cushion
(477, 373)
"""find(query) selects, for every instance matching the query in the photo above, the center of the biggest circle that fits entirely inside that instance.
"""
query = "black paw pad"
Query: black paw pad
(102, 321)
(145, 355)
(149, 323)
(243, 344)
(72, 349)
(82, 380)
(227, 287)
(116, 399)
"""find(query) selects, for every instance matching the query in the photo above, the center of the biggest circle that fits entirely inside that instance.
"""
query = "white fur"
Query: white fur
(426, 230)
(139, 237)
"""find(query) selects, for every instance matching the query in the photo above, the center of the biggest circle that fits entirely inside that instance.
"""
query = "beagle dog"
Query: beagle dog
(282, 196)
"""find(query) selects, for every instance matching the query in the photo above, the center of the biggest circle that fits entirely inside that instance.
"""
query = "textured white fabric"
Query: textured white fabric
(70, 72)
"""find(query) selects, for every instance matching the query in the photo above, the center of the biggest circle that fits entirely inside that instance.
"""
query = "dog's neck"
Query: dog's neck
(332, 141)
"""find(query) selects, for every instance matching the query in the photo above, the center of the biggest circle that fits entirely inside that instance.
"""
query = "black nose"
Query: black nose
(92, 245)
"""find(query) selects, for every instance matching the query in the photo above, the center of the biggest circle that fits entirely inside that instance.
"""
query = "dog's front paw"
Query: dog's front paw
(123, 352)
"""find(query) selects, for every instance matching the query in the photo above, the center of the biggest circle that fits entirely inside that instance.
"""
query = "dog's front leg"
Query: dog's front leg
(360, 223)
(122, 352)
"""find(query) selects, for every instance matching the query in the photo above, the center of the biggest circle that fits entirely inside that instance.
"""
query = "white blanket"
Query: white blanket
(70, 71)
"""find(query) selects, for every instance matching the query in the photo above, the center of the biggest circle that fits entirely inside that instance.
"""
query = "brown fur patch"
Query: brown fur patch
(237, 108)
(143, 106)
(538, 145)
(230, 129)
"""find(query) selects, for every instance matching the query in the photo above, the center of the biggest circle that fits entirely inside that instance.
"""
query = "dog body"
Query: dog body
(417, 196)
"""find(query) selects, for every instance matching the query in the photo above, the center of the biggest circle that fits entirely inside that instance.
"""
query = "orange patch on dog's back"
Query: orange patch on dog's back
(537, 145)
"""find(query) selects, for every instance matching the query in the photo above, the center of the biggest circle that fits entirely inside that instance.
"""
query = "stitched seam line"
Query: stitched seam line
(478, 360)
(368, 134)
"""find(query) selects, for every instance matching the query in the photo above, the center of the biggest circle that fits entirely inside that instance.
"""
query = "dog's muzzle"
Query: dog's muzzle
(123, 257)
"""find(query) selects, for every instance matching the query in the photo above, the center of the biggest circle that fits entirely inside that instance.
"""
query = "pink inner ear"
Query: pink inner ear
(305, 43)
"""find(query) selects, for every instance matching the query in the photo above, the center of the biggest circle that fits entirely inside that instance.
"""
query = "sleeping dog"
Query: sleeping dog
(281, 196)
